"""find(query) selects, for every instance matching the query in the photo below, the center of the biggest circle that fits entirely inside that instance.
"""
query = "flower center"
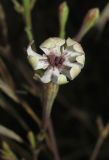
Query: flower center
(55, 60)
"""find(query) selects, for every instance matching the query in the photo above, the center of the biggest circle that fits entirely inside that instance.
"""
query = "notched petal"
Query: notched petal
(52, 42)
(33, 60)
(46, 78)
(37, 61)
(70, 42)
(30, 52)
(77, 47)
(33, 57)
(62, 79)
(81, 59)
(74, 71)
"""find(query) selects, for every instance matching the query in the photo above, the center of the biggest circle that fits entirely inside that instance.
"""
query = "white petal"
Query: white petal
(30, 52)
(70, 53)
(78, 48)
(38, 62)
(68, 63)
(70, 42)
(58, 41)
(62, 79)
(49, 51)
(66, 72)
(52, 42)
(73, 49)
(42, 64)
(52, 45)
(33, 60)
(56, 51)
(45, 50)
(33, 57)
(55, 74)
(81, 59)
(46, 78)
(55, 71)
(75, 70)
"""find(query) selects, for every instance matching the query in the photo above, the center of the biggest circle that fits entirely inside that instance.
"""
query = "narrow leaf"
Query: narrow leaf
(32, 139)
(7, 152)
(10, 134)
(18, 7)
(103, 18)
(8, 91)
(13, 112)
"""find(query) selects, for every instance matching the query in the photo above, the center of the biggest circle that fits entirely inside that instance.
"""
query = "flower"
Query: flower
(62, 60)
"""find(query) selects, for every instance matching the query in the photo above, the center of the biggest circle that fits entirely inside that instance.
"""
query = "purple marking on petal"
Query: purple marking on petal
(55, 61)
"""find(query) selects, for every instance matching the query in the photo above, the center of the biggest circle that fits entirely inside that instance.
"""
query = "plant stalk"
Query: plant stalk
(27, 18)
(49, 94)
(53, 140)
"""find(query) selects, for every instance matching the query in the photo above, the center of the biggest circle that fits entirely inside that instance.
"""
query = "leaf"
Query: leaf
(3, 27)
(28, 109)
(6, 76)
(103, 18)
(8, 91)
(10, 134)
(32, 139)
(33, 3)
(32, 87)
(12, 111)
(19, 149)
(18, 7)
(7, 153)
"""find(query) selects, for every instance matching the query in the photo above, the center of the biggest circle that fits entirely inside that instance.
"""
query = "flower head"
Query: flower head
(62, 60)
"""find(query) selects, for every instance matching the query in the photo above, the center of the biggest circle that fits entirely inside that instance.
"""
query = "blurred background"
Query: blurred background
(81, 110)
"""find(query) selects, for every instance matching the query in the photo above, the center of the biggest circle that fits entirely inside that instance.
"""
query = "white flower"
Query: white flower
(61, 61)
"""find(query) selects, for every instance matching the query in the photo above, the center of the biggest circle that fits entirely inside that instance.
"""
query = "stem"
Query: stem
(97, 148)
(53, 140)
(103, 135)
(49, 95)
(27, 18)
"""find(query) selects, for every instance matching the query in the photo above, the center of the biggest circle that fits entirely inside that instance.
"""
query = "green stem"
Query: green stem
(49, 95)
(27, 18)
